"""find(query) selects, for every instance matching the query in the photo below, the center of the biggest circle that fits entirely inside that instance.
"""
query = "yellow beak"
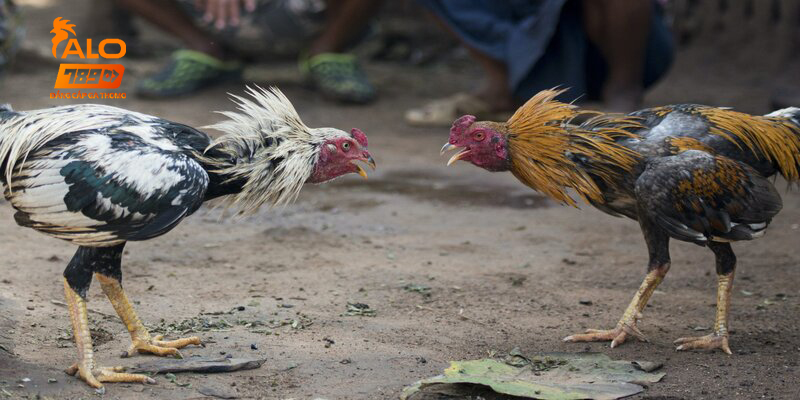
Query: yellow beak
(361, 171)
(457, 156)
(370, 161)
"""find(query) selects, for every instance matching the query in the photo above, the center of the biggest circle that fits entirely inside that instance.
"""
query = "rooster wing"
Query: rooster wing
(123, 178)
(696, 196)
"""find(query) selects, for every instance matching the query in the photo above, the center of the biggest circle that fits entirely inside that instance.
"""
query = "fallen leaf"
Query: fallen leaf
(560, 376)
(424, 290)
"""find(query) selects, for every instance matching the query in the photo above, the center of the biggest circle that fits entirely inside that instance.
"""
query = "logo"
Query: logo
(86, 76)
(61, 31)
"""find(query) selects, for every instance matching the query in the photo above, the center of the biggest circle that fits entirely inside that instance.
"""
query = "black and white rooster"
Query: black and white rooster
(99, 176)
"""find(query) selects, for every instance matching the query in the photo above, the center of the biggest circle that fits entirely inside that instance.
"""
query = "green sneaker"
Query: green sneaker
(339, 77)
(189, 71)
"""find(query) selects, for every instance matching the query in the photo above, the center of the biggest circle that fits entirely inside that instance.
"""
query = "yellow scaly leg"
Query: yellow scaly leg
(85, 367)
(627, 324)
(142, 341)
(718, 339)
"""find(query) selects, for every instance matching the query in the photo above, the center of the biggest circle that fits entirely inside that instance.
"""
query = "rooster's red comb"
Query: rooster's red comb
(359, 136)
(460, 125)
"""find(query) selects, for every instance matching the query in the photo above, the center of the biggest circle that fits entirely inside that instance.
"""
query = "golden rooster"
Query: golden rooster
(694, 173)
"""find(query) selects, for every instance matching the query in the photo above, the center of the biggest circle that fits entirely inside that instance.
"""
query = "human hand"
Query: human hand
(224, 13)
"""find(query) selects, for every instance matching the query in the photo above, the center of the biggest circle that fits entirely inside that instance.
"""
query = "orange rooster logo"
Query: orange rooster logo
(86, 76)
(60, 29)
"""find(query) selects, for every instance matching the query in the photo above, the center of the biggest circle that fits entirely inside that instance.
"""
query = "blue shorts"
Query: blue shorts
(544, 44)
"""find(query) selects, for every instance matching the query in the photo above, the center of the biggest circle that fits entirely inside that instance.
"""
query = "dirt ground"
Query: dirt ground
(506, 267)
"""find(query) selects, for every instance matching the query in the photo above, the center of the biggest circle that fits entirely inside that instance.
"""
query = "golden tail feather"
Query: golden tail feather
(775, 137)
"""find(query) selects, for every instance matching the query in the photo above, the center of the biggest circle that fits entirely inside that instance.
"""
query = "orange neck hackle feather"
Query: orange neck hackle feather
(777, 139)
(541, 139)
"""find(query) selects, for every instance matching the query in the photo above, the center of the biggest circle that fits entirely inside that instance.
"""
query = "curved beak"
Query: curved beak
(447, 147)
(367, 158)
(371, 162)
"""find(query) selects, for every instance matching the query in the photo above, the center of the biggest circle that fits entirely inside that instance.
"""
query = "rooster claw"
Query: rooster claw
(617, 336)
(709, 342)
(96, 376)
(160, 347)
(635, 332)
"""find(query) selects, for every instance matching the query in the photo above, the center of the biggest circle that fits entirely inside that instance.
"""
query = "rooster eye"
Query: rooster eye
(346, 146)
(480, 136)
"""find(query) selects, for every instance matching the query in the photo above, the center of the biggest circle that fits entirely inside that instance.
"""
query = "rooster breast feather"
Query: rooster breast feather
(103, 186)
(699, 197)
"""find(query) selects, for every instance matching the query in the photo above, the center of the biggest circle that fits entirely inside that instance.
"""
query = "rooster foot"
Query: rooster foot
(617, 336)
(708, 342)
(96, 376)
(160, 347)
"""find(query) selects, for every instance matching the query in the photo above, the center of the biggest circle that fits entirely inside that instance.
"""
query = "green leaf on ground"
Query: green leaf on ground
(359, 309)
(424, 290)
(557, 376)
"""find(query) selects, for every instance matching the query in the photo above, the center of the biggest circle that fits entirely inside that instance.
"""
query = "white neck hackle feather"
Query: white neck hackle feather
(268, 147)
(293, 149)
